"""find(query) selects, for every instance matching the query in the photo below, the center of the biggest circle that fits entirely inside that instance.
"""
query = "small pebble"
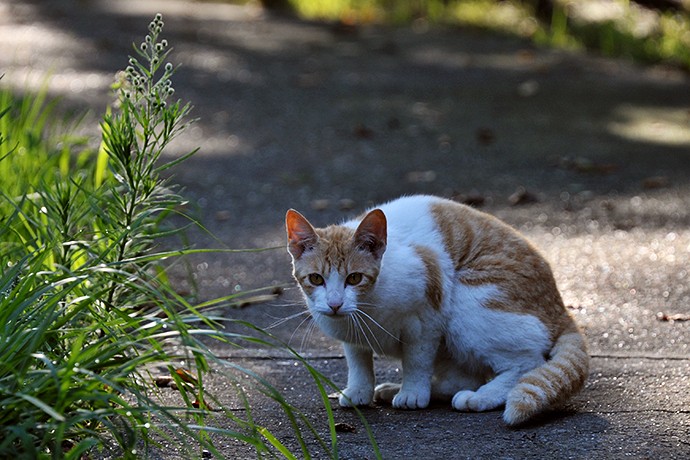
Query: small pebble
(421, 176)
(528, 88)
(222, 216)
(522, 196)
(346, 204)
(320, 205)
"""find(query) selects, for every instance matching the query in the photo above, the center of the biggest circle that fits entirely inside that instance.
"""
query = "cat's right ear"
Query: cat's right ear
(300, 233)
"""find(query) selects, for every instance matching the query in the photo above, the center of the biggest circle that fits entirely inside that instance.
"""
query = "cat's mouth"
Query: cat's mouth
(335, 314)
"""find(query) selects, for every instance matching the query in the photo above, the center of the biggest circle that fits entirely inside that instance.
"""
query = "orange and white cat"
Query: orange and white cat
(467, 304)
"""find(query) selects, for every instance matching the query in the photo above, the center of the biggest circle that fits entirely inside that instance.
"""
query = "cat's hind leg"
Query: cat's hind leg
(494, 393)
(385, 392)
(448, 379)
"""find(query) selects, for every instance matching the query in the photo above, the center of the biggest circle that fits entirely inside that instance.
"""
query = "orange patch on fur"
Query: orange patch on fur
(488, 251)
(434, 285)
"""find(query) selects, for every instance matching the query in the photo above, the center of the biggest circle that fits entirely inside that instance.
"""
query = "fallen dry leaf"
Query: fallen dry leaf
(587, 166)
(345, 428)
(485, 136)
(163, 381)
(522, 196)
(661, 316)
(473, 198)
(655, 182)
(197, 404)
(362, 131)
(186, 376)
(253, 300)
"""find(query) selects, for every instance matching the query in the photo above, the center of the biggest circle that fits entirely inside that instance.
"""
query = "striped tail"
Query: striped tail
(553, 383)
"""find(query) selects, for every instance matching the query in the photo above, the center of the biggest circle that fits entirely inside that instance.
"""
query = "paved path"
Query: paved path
(587, 156)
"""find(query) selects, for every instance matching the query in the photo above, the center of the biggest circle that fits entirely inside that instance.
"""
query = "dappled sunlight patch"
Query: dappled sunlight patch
(664, 125)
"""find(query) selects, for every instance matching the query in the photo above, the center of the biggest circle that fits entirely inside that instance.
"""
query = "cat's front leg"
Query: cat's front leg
(418, 368)
(360, 377)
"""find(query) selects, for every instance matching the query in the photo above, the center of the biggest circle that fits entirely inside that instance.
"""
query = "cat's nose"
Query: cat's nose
(335, 306)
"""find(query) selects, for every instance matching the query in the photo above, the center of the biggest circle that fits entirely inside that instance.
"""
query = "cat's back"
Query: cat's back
(471, 246)
(420, 219)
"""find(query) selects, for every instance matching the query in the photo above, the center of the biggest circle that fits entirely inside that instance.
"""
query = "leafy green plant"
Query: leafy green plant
(86, 308)
(39, 149)
(668, 40)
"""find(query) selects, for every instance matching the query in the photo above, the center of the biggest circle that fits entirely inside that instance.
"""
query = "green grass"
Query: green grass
(86, 307)
(39, 150)
(665, 38)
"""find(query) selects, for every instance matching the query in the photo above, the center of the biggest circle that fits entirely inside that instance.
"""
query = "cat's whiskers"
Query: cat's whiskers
(360, 318)
(281, 321)
(357, 321)
(377, 324)
(311, 327)
(368, 305)
(309, 322)
(353, 329)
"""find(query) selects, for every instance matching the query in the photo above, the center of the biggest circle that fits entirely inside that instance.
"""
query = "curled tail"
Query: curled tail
(553, 383)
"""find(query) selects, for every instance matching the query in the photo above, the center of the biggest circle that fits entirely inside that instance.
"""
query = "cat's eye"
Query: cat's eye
(353, 279)
(316, 279)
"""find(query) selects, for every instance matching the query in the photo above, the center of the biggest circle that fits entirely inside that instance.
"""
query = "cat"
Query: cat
(462, 299)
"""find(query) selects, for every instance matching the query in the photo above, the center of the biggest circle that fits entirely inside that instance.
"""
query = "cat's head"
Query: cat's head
(337, 265)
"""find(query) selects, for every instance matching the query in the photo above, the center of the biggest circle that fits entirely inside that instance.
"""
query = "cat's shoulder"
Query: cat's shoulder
(410, 211)
(412, 205)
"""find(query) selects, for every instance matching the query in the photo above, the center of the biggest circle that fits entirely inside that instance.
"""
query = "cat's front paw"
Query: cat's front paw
(406, 399)
(473, 401)
(351, 397)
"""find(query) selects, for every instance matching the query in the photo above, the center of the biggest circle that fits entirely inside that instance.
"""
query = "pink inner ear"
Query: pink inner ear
(372, 233)
(300, 233)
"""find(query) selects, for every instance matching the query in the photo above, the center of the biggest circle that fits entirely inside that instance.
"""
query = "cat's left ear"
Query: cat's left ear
(301, 234)
(371, 234)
